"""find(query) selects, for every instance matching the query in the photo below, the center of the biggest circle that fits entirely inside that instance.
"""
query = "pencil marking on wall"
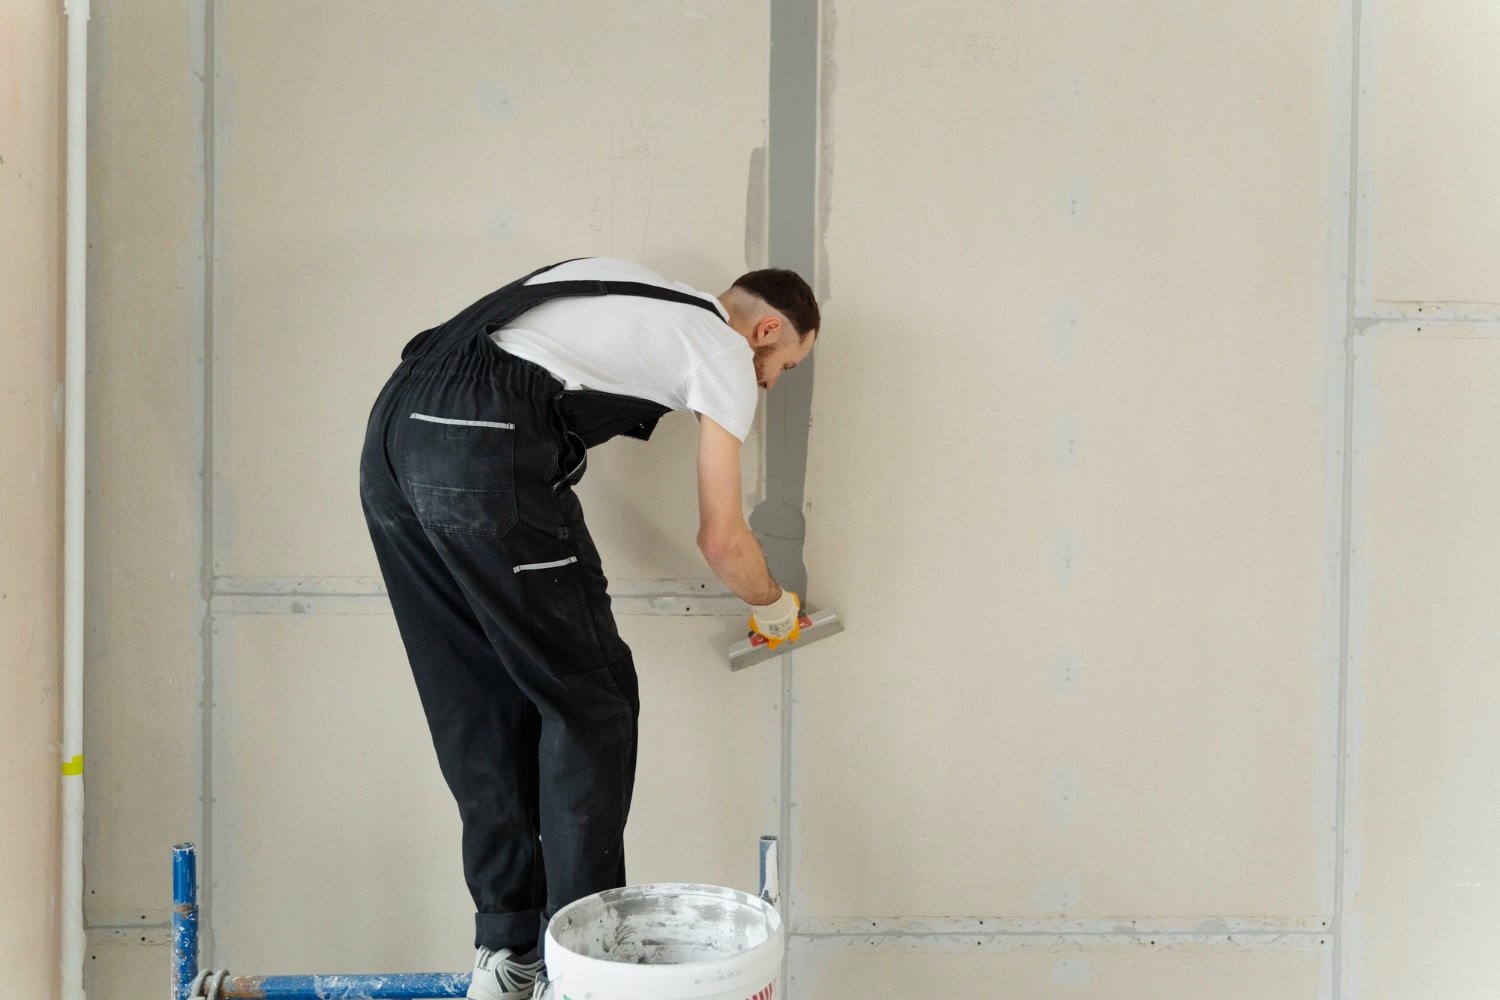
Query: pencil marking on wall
(624, 187)
(949, 39)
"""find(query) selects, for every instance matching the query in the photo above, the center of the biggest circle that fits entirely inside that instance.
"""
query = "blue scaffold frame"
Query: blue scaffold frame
(190, 982)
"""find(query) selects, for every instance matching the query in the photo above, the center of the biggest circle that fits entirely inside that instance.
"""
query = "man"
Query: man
(470, 458)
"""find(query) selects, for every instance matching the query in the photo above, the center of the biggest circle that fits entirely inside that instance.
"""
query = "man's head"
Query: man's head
(775, 311)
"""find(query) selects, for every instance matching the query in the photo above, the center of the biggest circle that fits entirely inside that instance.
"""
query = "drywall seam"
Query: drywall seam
(232, 595)
(792, 124)
(1431, 312)
(147, 934)
(1200, 926)
(1343, 983)
(1141, 938)
(203, 53)
(791, 204)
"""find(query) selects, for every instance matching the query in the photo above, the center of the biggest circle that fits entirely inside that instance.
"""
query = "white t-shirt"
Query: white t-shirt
(672, 353)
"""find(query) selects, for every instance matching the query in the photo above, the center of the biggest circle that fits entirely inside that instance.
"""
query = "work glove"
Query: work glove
(778, 622)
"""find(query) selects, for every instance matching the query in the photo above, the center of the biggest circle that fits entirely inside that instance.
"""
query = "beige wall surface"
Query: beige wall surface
(145, 512)
(32, 67)
(1084, 360)
(373, 188)
(1119, 711)
(1061, 975)
(364, 191)
(1429, 201)
(1426, 812)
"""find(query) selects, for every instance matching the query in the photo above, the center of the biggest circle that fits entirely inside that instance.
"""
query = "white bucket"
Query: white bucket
(668, 941)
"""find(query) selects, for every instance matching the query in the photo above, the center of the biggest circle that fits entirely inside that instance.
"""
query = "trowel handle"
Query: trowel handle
(757, 640)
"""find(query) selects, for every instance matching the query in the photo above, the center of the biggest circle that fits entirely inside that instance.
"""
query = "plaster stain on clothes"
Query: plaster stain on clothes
(495, 101)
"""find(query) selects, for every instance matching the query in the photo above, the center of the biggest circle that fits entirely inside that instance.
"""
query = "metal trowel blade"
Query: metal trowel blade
(816, 625)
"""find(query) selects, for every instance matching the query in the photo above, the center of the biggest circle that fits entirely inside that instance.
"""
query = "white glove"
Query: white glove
(780, 621)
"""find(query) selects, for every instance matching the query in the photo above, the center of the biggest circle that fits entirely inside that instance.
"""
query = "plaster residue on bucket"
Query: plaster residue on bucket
(667, 928)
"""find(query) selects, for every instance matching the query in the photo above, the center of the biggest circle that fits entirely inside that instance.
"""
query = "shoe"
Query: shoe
(498, 977)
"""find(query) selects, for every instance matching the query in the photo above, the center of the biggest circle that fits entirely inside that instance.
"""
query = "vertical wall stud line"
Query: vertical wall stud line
(210, 402)
(1355, 261)
(791, 198)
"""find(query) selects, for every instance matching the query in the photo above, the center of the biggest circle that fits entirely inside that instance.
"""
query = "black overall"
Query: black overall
(467, 476)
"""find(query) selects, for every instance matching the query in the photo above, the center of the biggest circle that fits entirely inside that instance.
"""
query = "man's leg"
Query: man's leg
(483, 728)
(588, 712)
(497, 533)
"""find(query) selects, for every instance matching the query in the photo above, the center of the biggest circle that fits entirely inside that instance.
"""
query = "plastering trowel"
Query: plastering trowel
(814, 625)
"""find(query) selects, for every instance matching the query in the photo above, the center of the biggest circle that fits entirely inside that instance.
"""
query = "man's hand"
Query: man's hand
(778, 622)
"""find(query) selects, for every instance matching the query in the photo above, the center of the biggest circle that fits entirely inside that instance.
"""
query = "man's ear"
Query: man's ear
(768, 330)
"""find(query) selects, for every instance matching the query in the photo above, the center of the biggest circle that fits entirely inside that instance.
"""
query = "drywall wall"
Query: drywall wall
(1094, 465)
(377, 168)
(1147, 469)
(145, 603)
(32, 67)
(1420, 894)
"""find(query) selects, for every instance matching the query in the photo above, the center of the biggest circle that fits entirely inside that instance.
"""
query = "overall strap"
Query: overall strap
(548, 290)
(504, 304)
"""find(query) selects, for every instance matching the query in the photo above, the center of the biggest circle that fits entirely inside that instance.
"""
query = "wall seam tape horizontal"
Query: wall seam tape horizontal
(355, 595)
(1435, 312)
(817, 944)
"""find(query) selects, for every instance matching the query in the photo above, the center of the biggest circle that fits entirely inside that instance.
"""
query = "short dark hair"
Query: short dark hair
(785, 291)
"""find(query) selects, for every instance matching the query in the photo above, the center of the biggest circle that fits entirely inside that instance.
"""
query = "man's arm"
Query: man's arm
(723, 536)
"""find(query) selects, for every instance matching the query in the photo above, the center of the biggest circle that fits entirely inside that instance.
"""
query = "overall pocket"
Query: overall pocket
(460, 473)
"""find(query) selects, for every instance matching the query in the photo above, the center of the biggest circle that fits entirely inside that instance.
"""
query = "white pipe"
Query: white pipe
(74, 944)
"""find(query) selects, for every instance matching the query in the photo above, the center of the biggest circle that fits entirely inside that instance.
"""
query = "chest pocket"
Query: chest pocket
(460, 474)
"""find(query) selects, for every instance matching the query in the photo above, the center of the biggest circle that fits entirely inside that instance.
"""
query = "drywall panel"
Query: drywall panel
(337, 842)
(120, 971)
(1066, 465)
(382, 165)
(1090, 975)
(1429, 107)
(31, 489)
(708, 779)
(1424, 821)
(145, 528)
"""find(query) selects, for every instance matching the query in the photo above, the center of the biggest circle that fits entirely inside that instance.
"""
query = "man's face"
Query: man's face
(784, 351)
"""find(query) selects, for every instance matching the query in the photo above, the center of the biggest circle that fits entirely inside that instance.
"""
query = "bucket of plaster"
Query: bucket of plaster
(668, 941)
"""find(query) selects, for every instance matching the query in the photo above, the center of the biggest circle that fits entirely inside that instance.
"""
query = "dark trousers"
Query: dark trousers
(531, 696)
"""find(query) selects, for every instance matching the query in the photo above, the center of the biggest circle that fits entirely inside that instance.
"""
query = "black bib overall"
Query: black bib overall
(466, 479)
